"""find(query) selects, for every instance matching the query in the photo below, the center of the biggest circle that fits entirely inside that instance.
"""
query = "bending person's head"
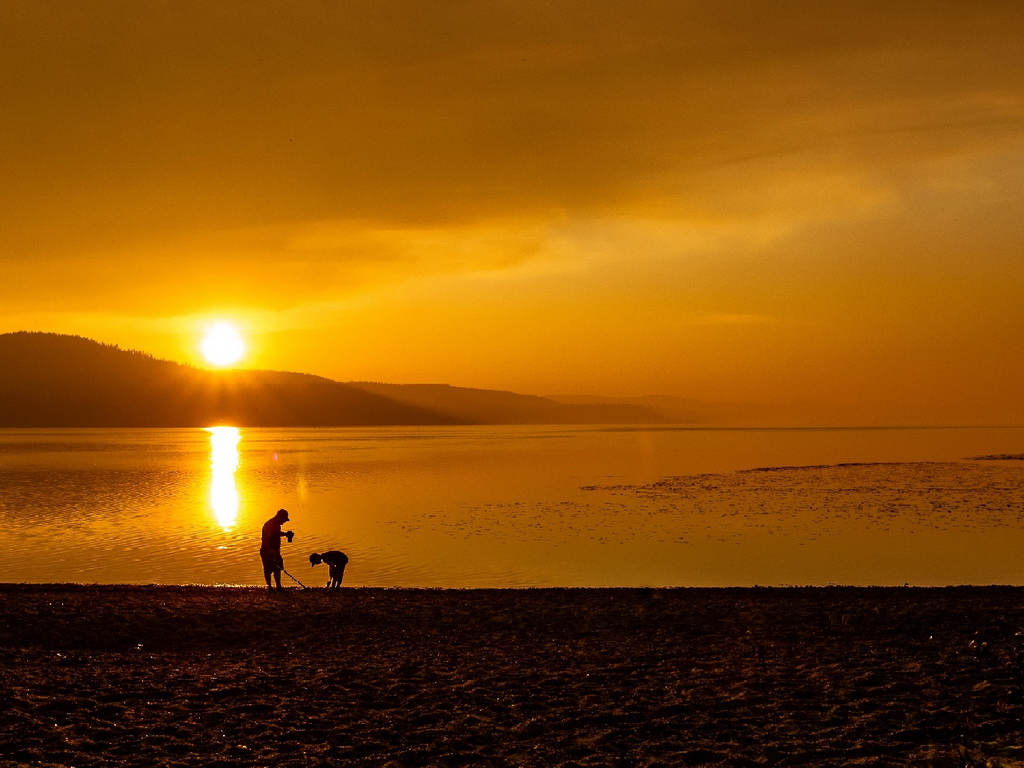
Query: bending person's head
(315, 559)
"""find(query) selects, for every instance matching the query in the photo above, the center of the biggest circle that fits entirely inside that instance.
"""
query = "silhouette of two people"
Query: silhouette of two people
(273, 562)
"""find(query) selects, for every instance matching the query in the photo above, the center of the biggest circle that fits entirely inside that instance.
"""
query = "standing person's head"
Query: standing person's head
(282, 515)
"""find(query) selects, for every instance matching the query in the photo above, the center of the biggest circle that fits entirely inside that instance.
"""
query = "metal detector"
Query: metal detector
(295, 580)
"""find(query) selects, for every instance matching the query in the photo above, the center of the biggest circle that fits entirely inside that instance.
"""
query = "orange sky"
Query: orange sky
(762, 202)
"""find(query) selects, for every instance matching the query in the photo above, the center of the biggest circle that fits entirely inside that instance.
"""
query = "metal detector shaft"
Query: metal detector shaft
(295, 580)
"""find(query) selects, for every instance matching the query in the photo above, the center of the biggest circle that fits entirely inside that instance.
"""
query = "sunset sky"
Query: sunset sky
(782, 202)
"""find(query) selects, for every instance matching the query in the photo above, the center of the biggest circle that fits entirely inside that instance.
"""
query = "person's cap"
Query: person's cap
(315, 559)
(283, 514)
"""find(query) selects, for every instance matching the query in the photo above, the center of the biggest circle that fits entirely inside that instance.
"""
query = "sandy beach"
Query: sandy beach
(208, 676)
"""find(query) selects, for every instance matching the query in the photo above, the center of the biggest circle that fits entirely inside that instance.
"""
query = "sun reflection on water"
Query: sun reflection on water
(224, 460)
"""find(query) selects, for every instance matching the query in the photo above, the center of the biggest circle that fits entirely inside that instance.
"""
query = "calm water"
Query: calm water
(516, 506)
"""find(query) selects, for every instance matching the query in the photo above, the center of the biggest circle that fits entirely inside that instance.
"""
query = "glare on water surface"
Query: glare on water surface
(514, 506)
(224, 460)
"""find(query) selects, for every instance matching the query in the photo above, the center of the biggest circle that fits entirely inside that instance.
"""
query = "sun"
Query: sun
(222, 346)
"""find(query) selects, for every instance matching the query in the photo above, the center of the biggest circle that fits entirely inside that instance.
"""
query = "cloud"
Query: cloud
(716, 318)
(604, 169)
(128, 123)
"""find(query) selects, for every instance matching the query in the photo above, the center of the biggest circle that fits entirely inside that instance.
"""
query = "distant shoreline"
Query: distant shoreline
(55, 381)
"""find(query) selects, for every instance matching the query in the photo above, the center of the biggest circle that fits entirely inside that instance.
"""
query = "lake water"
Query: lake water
(516, 506)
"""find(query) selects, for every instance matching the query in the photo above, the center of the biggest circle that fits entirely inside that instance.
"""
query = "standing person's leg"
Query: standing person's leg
(268, 568)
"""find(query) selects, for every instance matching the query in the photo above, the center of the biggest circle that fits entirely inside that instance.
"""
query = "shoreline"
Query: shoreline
(127, 675)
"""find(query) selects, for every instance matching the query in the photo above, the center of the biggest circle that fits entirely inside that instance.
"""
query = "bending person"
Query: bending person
(336, 562)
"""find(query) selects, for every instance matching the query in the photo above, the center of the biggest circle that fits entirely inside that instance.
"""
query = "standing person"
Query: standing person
(270, 547)
(336, 562)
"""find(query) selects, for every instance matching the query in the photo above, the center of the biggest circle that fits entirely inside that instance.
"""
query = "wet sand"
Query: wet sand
(207, 676)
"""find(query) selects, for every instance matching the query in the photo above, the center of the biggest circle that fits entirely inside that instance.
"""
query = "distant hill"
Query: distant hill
(53, 380)
(486, 406)
(677, 410)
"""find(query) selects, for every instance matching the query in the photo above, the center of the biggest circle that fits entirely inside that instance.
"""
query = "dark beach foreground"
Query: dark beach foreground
(200, 676)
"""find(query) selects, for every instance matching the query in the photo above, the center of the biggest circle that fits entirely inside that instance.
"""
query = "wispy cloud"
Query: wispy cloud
(739, 183)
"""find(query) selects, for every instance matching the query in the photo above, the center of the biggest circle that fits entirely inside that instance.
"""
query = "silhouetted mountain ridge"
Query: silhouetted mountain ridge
(55, 380)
